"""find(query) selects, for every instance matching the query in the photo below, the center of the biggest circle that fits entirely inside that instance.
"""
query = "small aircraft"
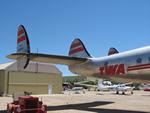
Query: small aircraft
(145, 87)
(130, 65)
(85, 85)
(107, 86)
(123, 88)
(77, 90)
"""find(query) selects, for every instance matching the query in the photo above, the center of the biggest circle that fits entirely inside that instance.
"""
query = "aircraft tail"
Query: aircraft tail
(112, 51)
(77, 49)
(23, 54)
(23, 46)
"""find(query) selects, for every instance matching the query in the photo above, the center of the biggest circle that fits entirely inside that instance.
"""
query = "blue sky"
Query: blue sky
(53, 24)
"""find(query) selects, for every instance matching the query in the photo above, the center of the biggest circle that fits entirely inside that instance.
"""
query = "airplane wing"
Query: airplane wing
(86, 85)
(128, 83)
(47, 58)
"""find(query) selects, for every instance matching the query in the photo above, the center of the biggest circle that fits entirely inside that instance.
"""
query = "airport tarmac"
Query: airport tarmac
(92, 102)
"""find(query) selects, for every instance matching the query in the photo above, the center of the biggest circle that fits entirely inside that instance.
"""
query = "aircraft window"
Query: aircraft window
(139, 60)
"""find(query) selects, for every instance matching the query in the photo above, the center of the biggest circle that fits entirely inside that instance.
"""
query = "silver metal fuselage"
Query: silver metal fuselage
(131, 65)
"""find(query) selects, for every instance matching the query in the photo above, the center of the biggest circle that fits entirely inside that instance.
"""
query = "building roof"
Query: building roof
(5, 65)
(32, 67)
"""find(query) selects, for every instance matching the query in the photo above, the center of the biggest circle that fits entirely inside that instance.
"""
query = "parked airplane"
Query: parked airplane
(77, 90)
(85, 85)
(107, 86)
(145, 87)
(132, 65)
(123, 88)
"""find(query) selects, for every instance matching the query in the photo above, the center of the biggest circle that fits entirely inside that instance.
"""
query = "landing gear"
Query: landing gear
(123, 93)
(117, 92)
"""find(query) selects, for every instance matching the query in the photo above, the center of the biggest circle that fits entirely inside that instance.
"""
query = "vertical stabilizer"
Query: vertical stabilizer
(77, 49)
(23, 46)
(112, 51)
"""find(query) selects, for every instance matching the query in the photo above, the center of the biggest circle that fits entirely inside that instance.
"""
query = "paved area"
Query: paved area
(92, 102)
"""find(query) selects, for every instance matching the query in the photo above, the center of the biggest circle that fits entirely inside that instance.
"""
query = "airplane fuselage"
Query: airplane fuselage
(131, 64)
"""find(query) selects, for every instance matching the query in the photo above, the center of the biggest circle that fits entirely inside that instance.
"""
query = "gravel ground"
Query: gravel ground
(92, 102)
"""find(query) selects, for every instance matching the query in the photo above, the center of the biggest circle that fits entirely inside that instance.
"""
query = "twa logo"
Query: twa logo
(116, 69)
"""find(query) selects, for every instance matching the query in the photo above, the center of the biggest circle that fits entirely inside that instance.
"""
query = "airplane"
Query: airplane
(130, 65)
(107, 86)
(85, 85)
(77, 90)
(145, 87)
(123, 88)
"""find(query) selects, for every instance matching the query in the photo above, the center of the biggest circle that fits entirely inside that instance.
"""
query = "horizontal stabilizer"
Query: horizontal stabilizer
(56, 59)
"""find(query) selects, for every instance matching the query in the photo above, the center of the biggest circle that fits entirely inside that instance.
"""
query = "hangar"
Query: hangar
(38, 78)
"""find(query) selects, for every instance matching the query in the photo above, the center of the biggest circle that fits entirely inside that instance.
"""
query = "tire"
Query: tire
(117, 92)
(123, 93)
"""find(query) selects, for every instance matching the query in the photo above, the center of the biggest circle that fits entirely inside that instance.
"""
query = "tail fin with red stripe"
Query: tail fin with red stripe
(112, 51)
(77, 49)
(23, 46)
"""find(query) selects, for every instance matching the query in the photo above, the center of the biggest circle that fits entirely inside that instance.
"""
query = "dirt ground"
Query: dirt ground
(92, 102)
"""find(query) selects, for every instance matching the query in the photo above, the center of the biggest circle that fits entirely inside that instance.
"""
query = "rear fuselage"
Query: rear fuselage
(134, 64)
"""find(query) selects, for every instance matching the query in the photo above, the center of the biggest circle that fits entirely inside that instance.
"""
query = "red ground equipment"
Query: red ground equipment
(27, 104)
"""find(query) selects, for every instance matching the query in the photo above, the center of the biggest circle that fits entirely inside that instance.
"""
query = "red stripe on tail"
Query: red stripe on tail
(76, 50)
(74, 45)
(21, 39)
(20, 32)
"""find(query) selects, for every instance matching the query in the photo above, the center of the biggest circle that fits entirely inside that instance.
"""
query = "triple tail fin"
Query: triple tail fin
(77, 49)
(77, 54)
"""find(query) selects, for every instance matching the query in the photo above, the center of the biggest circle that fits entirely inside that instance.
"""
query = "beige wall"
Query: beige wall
(37, 83)
(2, 81)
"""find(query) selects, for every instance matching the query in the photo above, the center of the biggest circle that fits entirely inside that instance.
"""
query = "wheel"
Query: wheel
(117, 92)
(123, 93)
